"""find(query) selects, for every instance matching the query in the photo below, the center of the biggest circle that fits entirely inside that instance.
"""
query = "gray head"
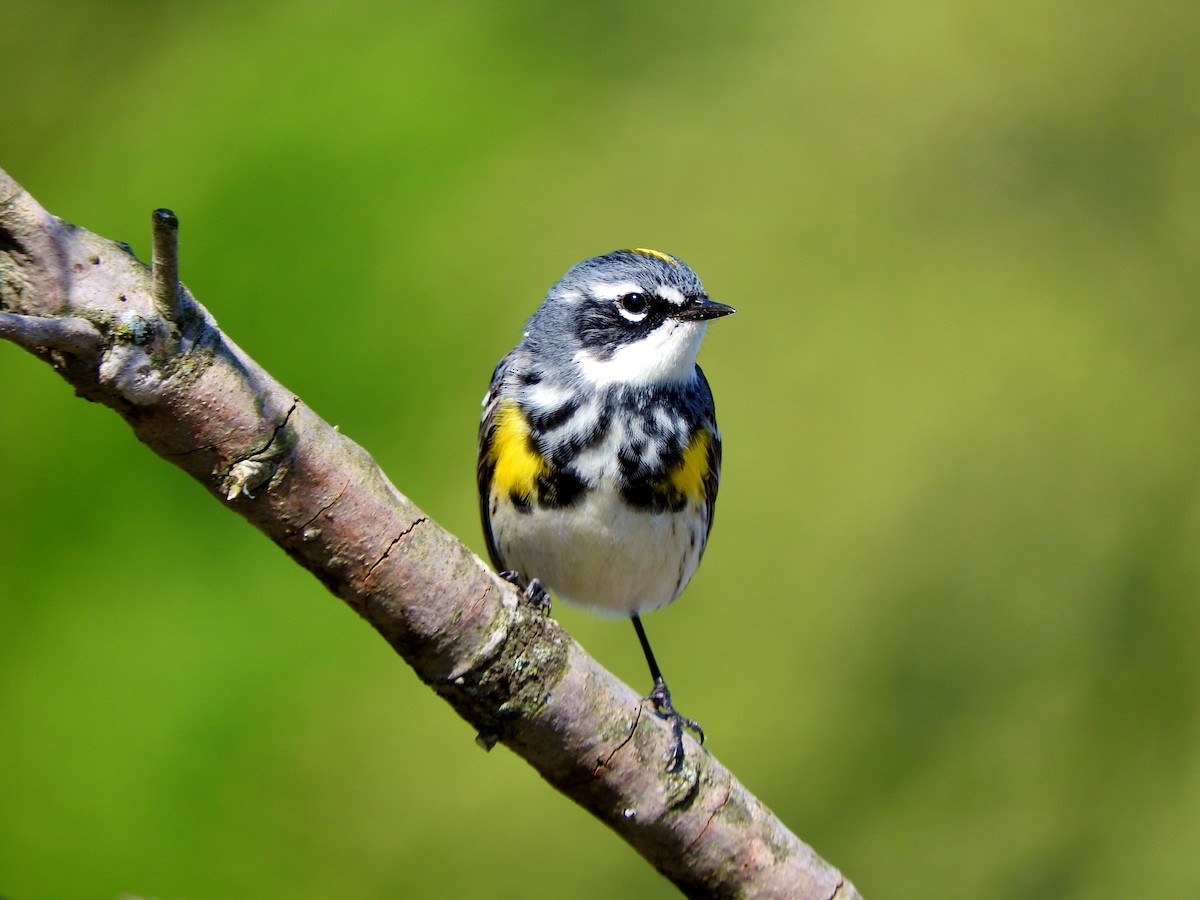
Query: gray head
(632, 317)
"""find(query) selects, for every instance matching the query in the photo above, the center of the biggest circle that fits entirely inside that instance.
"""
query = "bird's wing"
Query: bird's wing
(712, 474)
(486, 462)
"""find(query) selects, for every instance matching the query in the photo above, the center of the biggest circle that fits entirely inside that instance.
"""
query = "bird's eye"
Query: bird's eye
(633, 305)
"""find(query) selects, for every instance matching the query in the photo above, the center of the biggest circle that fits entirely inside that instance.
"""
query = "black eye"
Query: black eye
(634, 304)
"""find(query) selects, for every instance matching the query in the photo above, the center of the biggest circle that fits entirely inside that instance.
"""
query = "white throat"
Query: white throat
(666, 354)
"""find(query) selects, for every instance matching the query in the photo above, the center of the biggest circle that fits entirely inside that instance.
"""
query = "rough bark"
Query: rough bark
(136, 341)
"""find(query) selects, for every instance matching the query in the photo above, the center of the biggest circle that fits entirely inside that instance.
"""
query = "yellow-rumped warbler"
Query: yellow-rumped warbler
(599, 454)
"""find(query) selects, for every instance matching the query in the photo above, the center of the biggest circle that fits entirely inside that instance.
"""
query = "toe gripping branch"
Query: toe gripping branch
(660, 698)
(533, 591)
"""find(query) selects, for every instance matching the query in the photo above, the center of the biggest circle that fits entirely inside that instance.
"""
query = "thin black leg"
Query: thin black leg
(660, 696)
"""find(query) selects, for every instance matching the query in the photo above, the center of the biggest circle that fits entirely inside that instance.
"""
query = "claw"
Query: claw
(532, 591)
(660, 698)
(538, 596)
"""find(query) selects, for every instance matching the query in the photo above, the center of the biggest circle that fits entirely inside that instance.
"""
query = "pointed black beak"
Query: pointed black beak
(702, 308)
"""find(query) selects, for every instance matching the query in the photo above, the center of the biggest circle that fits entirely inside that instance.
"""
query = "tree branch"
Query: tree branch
(136, 341)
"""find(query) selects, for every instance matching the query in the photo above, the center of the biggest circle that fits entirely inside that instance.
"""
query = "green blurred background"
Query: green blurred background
(947, 624)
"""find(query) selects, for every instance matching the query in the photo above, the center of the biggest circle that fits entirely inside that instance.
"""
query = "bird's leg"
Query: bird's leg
(532, 591)
(660, 697)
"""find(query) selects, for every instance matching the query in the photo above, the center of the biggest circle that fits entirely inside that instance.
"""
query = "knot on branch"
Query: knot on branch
(267, 466)
(512, 674)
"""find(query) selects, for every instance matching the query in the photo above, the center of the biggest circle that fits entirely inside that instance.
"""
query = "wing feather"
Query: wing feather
(485, 466)
(712, 477)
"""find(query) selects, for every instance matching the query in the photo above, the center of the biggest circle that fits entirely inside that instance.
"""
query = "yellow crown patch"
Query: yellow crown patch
(657, 254)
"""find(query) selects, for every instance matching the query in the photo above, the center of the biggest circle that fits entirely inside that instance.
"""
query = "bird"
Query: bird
(599, 453)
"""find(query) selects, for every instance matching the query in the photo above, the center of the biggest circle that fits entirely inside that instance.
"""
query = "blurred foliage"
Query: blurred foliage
(943, 628)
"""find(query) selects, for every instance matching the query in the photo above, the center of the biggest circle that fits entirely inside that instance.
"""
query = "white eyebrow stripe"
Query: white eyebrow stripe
(610, 291)
(671, 295)
(606, 290)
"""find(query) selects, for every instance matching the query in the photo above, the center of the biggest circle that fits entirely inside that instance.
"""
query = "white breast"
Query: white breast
(602, 554)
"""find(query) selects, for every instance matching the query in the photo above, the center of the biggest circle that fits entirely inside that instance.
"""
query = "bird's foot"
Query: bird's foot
(532, 591)
(660, 698)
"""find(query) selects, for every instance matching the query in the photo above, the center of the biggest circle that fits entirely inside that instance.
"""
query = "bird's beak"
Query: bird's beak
(702, 308)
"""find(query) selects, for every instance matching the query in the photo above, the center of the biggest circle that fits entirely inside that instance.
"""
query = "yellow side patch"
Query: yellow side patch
(687, 477)
(657, 254)
(517, 465)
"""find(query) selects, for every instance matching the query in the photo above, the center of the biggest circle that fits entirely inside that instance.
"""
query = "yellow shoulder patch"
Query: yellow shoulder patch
(688, 475)
(657, 254)
(517, 465)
